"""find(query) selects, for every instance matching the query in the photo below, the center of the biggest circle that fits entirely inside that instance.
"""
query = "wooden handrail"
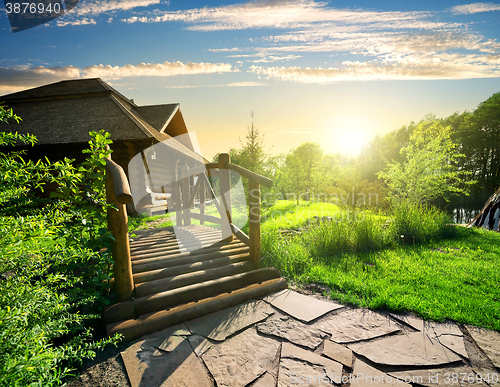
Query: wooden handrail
(118, 194)
(262, 180)
(120, 182)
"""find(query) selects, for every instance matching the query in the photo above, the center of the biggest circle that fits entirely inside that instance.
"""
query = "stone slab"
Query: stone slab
(171, 343)
(199, 344)
(290, 351)
(365, 375)
(446, 328)
(455, 343)
(147, 366)
(488, 341)
(303, 308)
(294, 373)
(356, 324)
(338, 352)
(413, 349)
(435, 377)
(267, 380)
(219, 325)
(413, 321)
(292, 330)
(241, 359)
(301, 367)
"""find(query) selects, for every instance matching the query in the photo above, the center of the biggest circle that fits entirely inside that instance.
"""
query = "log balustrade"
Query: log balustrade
(184, 194)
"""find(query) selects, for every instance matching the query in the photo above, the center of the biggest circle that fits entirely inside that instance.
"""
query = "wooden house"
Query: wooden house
(62, 114)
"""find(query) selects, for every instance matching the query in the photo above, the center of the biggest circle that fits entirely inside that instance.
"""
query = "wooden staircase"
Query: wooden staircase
(181, 275)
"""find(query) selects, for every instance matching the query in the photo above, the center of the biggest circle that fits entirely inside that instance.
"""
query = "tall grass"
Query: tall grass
(345, 234)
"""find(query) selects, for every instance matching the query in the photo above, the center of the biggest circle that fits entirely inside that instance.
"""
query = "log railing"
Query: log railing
(118, 193)
(222, 169)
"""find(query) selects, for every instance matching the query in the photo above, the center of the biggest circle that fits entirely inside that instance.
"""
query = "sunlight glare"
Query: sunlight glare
(350, 135)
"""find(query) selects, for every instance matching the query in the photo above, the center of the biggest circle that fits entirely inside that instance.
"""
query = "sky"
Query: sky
(334, 72)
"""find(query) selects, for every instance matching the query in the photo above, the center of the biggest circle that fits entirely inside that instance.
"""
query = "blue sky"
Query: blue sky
(334, 72)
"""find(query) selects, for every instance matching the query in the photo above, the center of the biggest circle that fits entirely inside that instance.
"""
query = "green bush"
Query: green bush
(54, 271)
(417, 224)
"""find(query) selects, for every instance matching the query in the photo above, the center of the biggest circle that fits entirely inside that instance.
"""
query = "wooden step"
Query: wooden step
(189, 268)
(183, 295)
(173, 253)
(165, 262)
(161, 285)
(168, 240)
(207, 240)
(151, 322)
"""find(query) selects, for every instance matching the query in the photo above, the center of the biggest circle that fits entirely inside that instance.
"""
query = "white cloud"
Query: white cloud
(22, 77)
(78, 22)
(104, 6)
(273, 14)
(166, 69)
(468, 9)
(409, 69)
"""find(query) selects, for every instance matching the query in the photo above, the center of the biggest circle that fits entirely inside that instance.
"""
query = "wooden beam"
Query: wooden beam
(254, 221)
(249, 174)
(118, 225)
(185, 195)
(225, 194)
(152, 322)
(240, 235)
(208, 218)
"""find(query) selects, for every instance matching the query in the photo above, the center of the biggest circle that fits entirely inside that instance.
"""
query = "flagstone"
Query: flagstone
(301, 367)
(446, 377)
(290, 351)
(356, 324)
(299, 306)
(241, 359)
(488, 341)
(292, 330)
(446, 328)
(267, 380)
(413, 321)
(455, 343)
(147, 366)
(219, 325)
(338, 353)
(365, 375)
(199, 344)
(413, 349)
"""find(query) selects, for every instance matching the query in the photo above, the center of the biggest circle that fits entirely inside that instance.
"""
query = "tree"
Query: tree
(428, 170)
(302, 167)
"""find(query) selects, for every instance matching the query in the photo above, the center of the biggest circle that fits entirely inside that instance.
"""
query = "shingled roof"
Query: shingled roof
(65, 112)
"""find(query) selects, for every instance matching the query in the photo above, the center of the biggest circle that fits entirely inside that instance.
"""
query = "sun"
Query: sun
(349, 135)
(351, 142)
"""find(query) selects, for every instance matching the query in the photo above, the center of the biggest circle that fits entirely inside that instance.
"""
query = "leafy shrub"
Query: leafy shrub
(54, 271)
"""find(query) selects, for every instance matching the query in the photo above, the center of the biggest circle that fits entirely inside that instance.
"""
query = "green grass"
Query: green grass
(415, 262)
(453, 279)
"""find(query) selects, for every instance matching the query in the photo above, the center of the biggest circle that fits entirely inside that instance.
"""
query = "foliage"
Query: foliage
(54, 273)
(428, 170)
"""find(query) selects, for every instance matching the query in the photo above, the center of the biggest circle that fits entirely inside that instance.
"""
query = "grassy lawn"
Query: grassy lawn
(449, 273)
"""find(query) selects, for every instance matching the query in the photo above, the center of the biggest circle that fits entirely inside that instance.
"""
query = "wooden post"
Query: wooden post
(254, 221)
(186, 191)
(202, 197)
(177, 202)
(118, 225)
(225, 194)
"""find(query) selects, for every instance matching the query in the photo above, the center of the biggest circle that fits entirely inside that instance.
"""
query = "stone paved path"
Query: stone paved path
(289, 339)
